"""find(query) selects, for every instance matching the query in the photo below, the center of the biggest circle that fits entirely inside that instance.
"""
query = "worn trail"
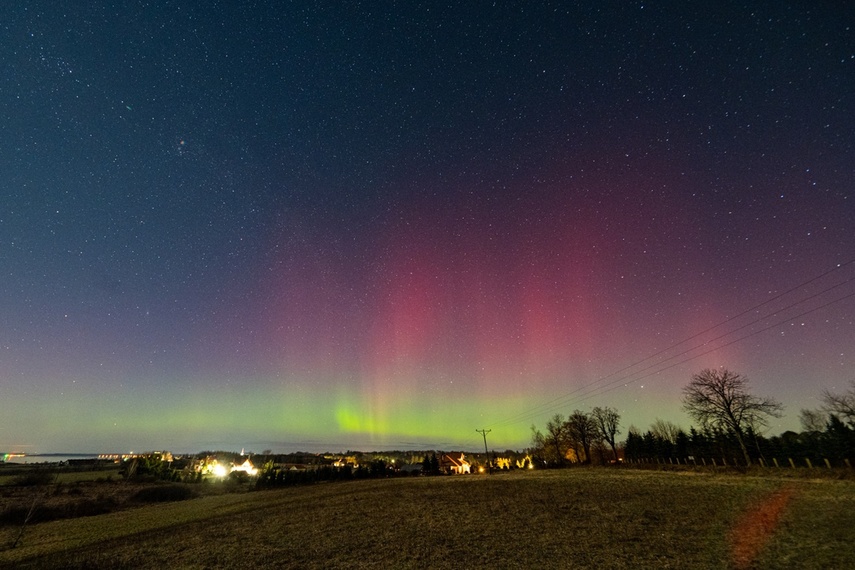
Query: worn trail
(756, 526)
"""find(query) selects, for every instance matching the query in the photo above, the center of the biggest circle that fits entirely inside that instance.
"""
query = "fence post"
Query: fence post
(792, 463)
(827, 462)
(809, 464)
(762, 463)
(724, 461)
(775, 461)
(849, 465)
(713, 461)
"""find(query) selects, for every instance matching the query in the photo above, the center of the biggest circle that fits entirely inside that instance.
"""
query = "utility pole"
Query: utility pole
(484, 432)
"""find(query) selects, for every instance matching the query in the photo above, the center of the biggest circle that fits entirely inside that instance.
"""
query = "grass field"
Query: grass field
(575, 518)
(7, 476)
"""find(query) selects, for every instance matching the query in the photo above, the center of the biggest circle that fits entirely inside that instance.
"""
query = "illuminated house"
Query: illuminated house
(525, 462)
(211, 466)
(456, 465)
(247, 467)
(349, 461)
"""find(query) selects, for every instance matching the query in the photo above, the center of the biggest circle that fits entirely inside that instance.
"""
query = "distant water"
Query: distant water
(47, 458)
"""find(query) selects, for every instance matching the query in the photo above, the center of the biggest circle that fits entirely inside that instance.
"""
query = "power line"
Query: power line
(626, 380)
(745, 312)
(773, 325)
(568, 397)
(730, 333)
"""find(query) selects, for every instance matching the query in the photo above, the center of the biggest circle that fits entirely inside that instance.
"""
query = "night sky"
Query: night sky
(384, 225)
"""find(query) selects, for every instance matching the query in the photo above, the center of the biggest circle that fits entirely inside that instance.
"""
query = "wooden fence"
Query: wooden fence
(787, 463)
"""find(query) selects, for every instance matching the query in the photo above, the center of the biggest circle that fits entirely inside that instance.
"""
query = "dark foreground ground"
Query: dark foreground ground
(574, 518)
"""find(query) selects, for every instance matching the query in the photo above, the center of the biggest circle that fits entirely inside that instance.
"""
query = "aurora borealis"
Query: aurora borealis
(381, 225)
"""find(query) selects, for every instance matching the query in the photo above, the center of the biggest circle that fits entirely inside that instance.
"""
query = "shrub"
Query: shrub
(163, 494)
(43, 513)
(33, 479)
(238, 477)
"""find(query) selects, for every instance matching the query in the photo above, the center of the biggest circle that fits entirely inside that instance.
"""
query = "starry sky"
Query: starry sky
(384, 225)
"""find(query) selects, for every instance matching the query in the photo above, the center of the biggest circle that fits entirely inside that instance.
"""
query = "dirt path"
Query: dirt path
(756, 526)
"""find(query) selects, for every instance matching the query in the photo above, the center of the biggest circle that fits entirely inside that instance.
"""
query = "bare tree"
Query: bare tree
(582, 430)
(812, 420)
(608, 422)
(538, 449)
(720, 400)
(842, 405)
(665, 430)
(556, 436)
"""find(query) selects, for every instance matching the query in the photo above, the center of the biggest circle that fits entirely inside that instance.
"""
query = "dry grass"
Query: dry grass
(9, 474)
(580, 518)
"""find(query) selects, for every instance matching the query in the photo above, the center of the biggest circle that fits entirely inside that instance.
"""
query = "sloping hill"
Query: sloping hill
(580, 518)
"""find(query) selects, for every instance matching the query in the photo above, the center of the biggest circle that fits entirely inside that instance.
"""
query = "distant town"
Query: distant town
(225, 464)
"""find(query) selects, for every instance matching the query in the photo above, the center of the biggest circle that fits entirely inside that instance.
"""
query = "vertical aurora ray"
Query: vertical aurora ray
(446, 317)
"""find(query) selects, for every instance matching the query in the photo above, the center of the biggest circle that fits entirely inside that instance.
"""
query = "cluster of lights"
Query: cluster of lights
(220, 470)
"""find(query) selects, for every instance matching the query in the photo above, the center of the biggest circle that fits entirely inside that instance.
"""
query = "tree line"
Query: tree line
(580, 438)
(731, 421)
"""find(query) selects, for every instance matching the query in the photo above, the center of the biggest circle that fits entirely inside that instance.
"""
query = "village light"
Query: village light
(220, 470)
(247, 467)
